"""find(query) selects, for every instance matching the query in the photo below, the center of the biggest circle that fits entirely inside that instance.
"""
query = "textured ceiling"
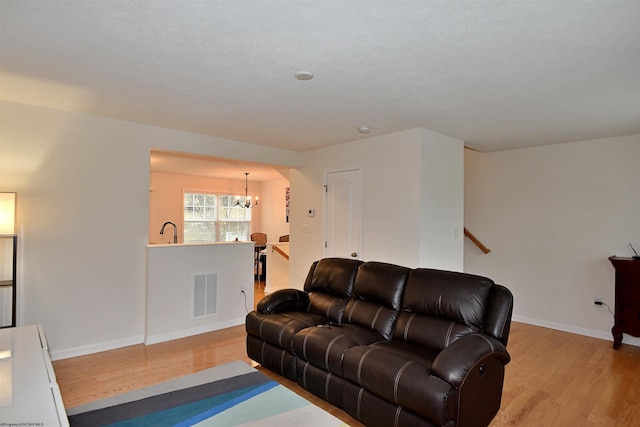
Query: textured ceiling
(495, 74)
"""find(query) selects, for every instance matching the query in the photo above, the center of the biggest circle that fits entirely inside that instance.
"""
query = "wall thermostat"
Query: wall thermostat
(311, 212)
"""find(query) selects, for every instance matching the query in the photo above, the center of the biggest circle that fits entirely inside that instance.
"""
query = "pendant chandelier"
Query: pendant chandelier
(247, 197)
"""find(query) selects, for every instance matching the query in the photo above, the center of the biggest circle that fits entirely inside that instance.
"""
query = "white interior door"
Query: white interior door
(343, 221)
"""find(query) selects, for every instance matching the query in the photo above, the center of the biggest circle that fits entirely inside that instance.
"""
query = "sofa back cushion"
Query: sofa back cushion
(438, 307)
(377, 297)
(330, 285)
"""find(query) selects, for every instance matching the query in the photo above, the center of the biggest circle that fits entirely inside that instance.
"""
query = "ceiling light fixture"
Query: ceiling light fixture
(364, 129)
(303, 75)
(247, 197)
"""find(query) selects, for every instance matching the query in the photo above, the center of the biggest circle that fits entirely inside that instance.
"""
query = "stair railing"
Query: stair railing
(477, 242)
(281, 252)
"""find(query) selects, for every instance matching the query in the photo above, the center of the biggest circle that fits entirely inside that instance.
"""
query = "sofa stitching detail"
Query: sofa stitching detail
(326, 386)
(280, 336)
(264, 343)
(396, 381)
(282, 361)
(304, 374)
(359, 402)
(448, 337)
(369, 350)
(304, 347)
(438, 306)
(355, 304)
(397, 418)
(375, 318)
(326, 352)
(406, 328)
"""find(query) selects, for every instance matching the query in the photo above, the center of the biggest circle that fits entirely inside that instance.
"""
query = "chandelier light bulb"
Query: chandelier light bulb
(247, 198)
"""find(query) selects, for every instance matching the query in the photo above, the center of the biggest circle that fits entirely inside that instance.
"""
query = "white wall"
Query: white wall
(170, 288)
(273, 208)
(442, 215)
(552, 216)
(82, 218)
(399, 172)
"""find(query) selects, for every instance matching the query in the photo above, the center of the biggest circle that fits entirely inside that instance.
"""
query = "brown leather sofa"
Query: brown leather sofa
(390, 345)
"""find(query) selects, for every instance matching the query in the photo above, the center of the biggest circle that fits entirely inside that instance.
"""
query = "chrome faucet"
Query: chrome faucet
(175, 230)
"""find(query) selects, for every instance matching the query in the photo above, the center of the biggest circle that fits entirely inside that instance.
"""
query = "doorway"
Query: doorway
(343, 219)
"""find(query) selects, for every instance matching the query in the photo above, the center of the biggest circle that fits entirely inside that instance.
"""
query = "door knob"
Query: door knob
(354, 254)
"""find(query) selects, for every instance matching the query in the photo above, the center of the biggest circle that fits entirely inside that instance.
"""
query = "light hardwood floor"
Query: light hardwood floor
(554, 378)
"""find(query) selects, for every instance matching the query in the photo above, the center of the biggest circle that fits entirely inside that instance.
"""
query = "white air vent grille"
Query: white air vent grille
(205, 294)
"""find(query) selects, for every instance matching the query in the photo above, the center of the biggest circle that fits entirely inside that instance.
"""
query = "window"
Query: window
(215, 218)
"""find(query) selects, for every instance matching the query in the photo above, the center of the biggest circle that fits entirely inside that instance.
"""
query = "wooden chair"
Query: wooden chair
(260, 240)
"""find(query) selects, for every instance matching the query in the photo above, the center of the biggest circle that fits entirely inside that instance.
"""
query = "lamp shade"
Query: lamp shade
(7, 213)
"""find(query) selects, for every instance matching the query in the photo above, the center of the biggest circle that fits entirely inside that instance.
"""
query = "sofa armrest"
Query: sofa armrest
(454, 363)
(284, 300)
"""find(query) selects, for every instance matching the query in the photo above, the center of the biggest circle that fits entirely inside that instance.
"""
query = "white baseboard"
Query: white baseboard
(154, 339)
(95, 348)
(604, 335)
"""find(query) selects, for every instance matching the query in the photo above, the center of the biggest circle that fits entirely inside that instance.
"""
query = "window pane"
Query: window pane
(188, 213)
(199, 231)
(188, 206)
(231, 211)
(227, 200)
(210, 213)
(198, 213)
(214, 218)
(229, 231)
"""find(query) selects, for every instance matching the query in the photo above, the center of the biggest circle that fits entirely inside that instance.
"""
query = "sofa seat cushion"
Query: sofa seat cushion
(401, 380)
(429, 331)
(323, 346)
(410, 351)
(279, 328)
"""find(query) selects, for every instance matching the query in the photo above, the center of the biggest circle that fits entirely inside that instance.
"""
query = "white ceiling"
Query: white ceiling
(495, 74)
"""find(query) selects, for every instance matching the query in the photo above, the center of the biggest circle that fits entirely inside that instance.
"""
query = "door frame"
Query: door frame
(325, 184)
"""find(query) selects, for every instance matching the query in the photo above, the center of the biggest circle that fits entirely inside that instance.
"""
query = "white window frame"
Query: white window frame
(216, 218)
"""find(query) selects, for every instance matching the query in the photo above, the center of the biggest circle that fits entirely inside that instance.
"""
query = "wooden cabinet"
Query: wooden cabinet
(627, 306)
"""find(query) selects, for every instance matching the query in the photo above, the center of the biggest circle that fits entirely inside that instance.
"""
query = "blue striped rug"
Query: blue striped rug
(228, 395)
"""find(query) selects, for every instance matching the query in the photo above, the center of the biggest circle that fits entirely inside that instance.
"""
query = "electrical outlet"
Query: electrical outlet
(241, 289)
(597, 300)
